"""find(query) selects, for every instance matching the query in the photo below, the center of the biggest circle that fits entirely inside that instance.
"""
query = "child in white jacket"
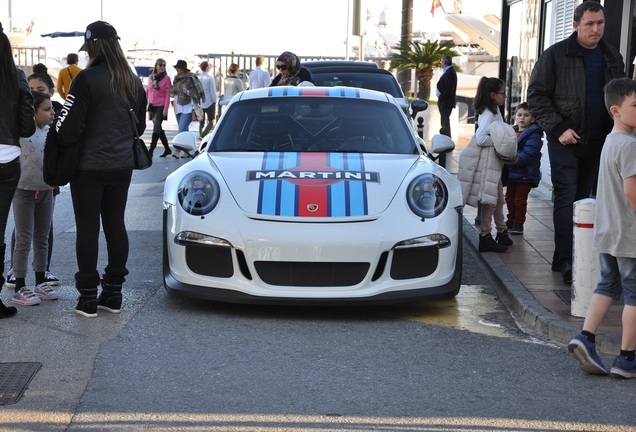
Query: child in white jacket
(480, 167)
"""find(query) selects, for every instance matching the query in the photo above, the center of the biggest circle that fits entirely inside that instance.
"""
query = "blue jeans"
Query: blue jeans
(100, 196)
(184, 120)
(618, 274)
(574, 173)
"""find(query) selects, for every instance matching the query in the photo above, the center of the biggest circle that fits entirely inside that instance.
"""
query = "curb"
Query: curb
(525, 307)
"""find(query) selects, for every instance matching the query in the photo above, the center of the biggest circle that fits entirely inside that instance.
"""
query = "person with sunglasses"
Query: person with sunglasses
(158, 95)
(291, 73)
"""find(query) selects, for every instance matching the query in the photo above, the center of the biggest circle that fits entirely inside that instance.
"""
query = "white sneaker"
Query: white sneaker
(51, 279)
(45, 292)
(26, 297)
(10, 282)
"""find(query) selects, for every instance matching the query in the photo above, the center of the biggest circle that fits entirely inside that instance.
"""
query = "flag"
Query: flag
(435, 5)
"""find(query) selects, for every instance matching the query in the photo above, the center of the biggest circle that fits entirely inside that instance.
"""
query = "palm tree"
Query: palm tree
(424, 57)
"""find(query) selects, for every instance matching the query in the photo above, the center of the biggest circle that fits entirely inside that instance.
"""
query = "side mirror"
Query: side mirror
(417, 106)
(204, 142)
(186, 142)
(441, 144)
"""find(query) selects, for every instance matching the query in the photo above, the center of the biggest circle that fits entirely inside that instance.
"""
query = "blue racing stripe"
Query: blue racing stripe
(288, 196)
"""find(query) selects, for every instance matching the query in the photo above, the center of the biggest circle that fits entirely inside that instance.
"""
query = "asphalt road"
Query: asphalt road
(177, 364)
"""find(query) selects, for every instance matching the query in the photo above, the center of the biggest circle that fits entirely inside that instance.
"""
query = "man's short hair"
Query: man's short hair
(617, 90)
(259, 60)
(72, 58)
(447, 60)
(587, 5)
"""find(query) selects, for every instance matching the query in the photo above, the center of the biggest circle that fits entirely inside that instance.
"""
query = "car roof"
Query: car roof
(338, 65)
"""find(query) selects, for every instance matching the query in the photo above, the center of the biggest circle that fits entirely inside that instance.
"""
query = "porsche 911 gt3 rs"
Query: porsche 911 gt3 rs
(310, 195)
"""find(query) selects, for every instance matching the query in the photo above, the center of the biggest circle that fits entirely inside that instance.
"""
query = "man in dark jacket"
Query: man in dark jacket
(446, 94)
(566, 96)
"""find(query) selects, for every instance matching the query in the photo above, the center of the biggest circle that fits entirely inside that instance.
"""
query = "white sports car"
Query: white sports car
(313, 195)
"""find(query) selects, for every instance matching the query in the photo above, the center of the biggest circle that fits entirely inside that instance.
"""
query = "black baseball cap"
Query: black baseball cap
(98, 30)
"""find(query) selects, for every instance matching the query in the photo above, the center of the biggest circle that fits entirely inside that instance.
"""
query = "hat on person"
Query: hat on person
(99, 30)
(182, 64)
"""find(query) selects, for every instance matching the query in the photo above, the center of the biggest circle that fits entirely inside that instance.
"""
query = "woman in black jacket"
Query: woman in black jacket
(96, 118)
(16, 120)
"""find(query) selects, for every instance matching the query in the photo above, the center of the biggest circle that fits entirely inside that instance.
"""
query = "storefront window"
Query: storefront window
(522, 49)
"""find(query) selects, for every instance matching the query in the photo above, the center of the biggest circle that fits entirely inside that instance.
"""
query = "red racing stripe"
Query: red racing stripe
(312, 200)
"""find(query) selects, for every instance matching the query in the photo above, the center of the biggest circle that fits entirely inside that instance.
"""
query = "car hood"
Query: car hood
(315, 185)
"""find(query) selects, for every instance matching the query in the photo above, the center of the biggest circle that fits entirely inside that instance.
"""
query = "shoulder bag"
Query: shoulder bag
(143, 159)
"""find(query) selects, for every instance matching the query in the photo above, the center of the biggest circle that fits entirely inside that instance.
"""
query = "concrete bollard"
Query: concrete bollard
(585, 265)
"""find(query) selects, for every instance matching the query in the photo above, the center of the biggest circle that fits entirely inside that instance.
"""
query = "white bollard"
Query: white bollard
(585, 265)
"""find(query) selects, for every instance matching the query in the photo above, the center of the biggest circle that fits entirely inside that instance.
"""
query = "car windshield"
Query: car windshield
(299, 124)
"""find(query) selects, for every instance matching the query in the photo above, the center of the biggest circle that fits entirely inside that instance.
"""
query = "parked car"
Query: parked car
(313, 195)
(359, 74)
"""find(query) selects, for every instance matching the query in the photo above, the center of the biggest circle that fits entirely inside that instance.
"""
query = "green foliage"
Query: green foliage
(424, 57)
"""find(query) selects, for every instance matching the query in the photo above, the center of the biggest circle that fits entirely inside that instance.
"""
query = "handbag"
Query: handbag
(60, 161)
(143, 158)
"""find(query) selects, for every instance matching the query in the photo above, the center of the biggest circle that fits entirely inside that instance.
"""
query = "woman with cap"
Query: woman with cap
(96, 118)
(16, 120)
(187, 94)
(291, 72)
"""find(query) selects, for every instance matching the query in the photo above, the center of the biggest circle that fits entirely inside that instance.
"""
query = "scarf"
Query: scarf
(156, 79)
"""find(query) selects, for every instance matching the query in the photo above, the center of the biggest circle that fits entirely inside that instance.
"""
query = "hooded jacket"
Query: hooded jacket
(99, 121)
(16, 116)
(481, 164)
(557, 91)
(527, 169)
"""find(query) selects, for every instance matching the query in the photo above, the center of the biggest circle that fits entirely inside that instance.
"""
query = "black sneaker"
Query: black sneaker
(503, 239)
(517, 229)
(488, 244)
(110, 302)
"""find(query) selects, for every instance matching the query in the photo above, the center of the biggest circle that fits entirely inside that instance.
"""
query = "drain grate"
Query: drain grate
(14, 379)
(565, 295)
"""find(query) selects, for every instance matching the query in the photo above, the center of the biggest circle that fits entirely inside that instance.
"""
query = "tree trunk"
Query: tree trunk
(404, 75)
(424, 78)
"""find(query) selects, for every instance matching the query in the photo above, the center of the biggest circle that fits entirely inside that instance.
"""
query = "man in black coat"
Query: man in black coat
(565, 95)
(446, 89)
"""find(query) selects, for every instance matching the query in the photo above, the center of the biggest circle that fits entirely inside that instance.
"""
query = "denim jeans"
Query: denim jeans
(100, 196)
(574, 173)
(618, 274)
(184, 120)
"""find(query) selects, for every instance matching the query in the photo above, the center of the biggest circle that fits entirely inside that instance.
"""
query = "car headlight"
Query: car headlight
(427, 196)
(198, 193)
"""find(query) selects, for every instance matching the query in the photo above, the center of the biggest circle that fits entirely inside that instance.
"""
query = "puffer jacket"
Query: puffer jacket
(16, 116)
(99, 122)
(557, 90)
(480, 166)
(527, 169)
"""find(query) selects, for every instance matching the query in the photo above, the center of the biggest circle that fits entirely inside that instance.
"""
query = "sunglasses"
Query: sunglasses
(281, 67)
(162, 65)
